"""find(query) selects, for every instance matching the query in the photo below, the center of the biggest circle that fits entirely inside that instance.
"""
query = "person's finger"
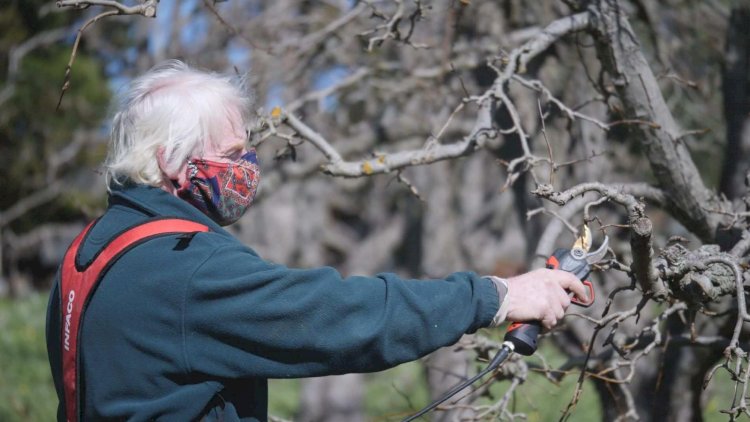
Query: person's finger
(564, 299)
(555, 306)
(559, 311)
(548, 323)
(570, 282)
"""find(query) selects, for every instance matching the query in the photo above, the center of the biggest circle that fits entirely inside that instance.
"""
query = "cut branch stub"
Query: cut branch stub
(643, 268)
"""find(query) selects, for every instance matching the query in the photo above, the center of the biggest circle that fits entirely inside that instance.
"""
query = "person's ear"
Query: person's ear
(162, 162)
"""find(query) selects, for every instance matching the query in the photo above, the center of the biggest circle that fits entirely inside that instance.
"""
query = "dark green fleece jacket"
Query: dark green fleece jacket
(177, 334)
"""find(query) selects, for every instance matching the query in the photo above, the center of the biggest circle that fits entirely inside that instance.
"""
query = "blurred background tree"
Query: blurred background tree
(45, 150)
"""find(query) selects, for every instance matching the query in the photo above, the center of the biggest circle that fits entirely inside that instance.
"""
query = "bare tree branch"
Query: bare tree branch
(481, 131)
(211, 6)
(640, 224)
(639, 91)
(147, 9)
(17, 54)
(36, 199)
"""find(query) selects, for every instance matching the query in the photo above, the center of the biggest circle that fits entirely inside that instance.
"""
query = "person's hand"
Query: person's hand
(542, 295)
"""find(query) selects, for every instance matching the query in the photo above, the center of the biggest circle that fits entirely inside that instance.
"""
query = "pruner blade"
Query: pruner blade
(597, 255)
(584, 240)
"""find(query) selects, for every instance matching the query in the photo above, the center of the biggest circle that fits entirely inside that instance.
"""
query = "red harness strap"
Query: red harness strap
(77, 287)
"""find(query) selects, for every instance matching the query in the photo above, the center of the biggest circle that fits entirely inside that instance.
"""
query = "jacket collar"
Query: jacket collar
(157, 202)
(148, 202)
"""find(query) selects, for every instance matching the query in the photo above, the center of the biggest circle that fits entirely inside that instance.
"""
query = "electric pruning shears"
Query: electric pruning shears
(521, 337)
(576, 260)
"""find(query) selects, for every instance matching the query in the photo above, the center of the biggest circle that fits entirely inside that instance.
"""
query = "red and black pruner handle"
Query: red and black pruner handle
(577, 261)
(573, 261)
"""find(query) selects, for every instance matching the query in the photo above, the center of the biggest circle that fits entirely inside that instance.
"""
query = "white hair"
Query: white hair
(175, 109)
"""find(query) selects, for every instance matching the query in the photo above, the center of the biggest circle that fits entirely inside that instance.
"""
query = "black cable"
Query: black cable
(499, 358)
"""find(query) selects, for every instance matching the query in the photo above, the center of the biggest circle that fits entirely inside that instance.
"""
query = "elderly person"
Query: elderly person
(191, 323)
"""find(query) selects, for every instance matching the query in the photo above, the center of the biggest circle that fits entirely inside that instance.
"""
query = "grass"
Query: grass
(26, 389)
(393, 394)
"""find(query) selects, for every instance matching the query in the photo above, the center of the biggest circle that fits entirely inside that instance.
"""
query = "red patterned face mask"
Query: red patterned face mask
(223, 191)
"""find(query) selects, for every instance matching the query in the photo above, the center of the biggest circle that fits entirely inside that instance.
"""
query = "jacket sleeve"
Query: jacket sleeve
(246, 317)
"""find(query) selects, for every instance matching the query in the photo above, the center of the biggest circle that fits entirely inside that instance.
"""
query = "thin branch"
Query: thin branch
(147, 9)
(557, 215)
(315, 138)
(385, 163)
(391, 27)
(36, 199)
(309, 41)
(318, 95)
(17, 54)
(409, 185)
(434, 151)
(211, 7)
(69, 67)
(641, 226)
(743, 246)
